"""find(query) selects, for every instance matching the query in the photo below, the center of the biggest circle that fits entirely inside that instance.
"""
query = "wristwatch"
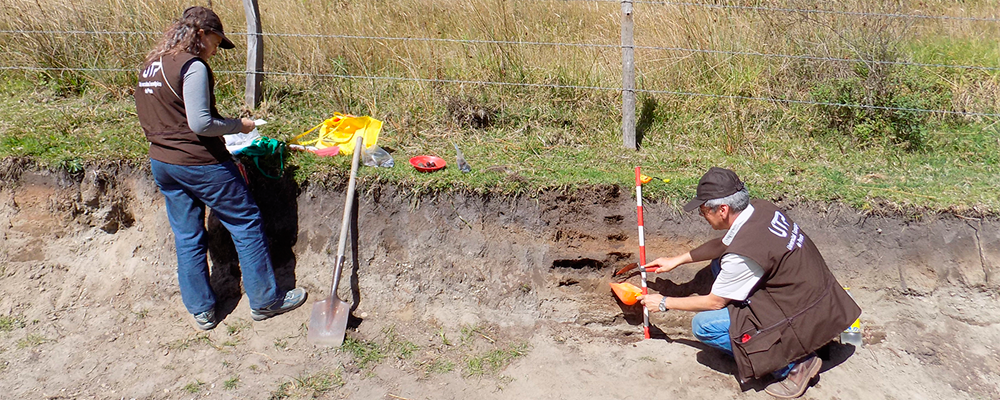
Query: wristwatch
(663, 304)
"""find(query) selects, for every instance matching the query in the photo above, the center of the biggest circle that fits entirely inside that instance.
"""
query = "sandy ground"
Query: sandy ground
(456, 296)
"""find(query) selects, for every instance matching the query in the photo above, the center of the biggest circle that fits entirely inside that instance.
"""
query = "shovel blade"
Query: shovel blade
(328, 322)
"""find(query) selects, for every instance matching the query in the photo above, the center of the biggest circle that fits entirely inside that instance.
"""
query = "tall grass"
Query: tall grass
(558, 135)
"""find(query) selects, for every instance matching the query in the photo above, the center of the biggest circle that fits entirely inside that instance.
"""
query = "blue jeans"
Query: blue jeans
(712, 327)
(188, 189)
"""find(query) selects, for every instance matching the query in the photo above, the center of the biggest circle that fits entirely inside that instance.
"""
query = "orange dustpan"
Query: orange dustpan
(626, 292)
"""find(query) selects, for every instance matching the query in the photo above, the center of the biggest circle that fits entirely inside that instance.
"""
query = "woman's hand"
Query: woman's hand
(248, 125)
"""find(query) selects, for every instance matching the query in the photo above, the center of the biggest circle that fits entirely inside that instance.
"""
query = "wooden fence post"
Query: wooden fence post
(628, 77)
(255, 54)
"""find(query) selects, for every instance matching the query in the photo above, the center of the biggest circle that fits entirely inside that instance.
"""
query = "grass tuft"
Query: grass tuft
(194, 387)
(31, 340)
(231, 383)
(308, 386)
(10, 322)
(369, 353)
(494, 360)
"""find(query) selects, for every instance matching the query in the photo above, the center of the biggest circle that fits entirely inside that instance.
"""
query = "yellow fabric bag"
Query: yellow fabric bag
(342, 130)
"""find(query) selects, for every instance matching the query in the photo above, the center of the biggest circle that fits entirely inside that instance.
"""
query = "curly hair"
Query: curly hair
(181, 36)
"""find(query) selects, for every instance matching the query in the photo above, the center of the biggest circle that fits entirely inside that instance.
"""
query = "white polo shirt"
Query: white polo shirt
(739, 274)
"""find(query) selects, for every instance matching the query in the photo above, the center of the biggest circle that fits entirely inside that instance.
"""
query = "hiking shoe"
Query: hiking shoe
(293, 299)
(205, 320)
(797, 381)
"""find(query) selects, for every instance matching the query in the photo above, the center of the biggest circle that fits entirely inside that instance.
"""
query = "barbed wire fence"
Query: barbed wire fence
(626, 46)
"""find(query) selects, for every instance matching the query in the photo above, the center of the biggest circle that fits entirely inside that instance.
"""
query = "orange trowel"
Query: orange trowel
(630, 267)
(644, 179)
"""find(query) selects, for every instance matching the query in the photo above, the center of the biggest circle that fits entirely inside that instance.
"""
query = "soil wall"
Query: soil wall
(439, 263)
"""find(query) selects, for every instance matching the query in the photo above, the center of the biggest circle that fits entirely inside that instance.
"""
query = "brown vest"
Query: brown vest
(159, 103)
(797, 307)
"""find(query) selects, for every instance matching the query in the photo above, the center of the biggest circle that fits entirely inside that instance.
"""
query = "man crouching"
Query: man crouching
(781, 301)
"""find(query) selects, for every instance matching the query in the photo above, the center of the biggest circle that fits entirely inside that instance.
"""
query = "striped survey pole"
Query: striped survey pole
(642, 251)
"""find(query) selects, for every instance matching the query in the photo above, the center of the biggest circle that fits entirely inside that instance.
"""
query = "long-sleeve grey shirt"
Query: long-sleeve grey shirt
(197, 105)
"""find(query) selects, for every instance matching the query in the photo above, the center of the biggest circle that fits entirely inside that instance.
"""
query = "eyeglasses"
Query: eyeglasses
(703, 209)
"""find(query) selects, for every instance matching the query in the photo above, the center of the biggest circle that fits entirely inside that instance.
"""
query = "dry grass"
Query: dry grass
(308, 37)
(670, 25)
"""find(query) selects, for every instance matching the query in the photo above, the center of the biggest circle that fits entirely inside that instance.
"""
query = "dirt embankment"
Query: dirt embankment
(455, 295)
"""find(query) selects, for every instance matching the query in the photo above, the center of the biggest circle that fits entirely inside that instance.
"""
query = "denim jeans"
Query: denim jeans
(188, 189)
(712, 327)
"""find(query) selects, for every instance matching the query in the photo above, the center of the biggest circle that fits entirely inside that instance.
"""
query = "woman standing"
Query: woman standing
(175, 103)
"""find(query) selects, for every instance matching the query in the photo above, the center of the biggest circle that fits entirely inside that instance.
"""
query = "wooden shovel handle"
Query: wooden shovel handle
(342, 245)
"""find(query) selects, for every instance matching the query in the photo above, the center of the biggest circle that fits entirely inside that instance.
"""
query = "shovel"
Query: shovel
(328, 322)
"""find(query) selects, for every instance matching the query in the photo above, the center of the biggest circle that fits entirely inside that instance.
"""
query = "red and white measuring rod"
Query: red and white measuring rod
(642, 251)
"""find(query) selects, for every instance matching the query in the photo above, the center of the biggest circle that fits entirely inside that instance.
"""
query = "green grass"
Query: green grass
(444, 338)
(239, 325)
(10, 322)
(231, 383)
(141, 314)
(364, 353)
(31, 340)
(440, 367)
(520, 156)
(194, 387)
(368, 353)
(198, 339)
(309, 386)
(494, 360)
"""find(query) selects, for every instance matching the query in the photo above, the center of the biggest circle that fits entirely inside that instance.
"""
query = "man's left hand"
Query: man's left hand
(651, 301)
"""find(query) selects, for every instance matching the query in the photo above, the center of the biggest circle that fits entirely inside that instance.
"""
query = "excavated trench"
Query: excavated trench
(459, 259)
(508, 259)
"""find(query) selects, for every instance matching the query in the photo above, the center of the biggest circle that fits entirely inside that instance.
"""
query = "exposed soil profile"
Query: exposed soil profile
(455, 296)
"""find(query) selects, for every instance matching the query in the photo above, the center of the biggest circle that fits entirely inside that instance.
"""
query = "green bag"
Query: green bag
(265, 147)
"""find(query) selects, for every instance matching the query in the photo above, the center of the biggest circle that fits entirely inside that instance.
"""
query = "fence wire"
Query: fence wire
(553, 44)
(588, 45)
(547, 86)
(791, 10)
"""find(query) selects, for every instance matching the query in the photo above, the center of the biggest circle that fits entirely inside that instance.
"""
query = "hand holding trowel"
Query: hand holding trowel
(631, 267)
(667, 264)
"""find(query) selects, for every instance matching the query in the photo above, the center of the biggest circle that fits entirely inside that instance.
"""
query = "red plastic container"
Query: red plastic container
(427, 163)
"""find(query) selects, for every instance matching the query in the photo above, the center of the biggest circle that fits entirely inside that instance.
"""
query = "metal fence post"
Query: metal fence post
(628, 77)
(255, 54)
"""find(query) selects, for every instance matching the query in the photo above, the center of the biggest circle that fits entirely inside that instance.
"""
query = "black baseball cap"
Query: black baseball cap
(206, 19)
(715, 184)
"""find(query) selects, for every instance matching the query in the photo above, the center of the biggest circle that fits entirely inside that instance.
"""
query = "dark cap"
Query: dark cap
(715, 184)
(205, 18)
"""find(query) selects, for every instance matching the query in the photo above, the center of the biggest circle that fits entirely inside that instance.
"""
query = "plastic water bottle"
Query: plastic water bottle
(460, 160)
(852, 335)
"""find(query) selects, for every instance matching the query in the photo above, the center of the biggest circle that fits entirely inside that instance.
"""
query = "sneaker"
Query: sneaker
(293, 299)
(205, 320)
(797, 381)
